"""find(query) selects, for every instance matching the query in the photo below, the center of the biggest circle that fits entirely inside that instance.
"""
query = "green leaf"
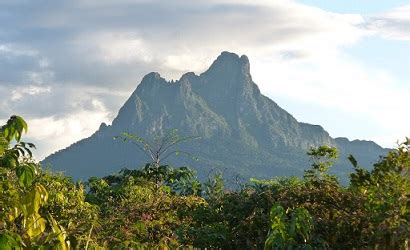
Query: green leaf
(9, 161)
(4, 144)
(59, 233)
(35, 225)
(14, 128)
(8, 242)
(140, 227)
(33, 200)
(352, 160)
(25, 174)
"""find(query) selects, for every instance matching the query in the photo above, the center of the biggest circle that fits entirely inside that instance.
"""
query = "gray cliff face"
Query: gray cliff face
(242, 132)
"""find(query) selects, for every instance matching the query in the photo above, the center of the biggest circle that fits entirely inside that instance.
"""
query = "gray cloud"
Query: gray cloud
(394, 24)
(87, 56)
(38, 101)
(87, 43)
(63, 32)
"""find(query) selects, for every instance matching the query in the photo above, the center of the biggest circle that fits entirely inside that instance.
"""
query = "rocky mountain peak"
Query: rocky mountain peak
(151, 76)
(188, 76)
(230, 63)
(242, 131)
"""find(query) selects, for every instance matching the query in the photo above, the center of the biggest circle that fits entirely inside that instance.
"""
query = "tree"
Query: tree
(21, 195)
(157, 151)
(289, 228)
(133, 214)
(322, 159)
(387, 191)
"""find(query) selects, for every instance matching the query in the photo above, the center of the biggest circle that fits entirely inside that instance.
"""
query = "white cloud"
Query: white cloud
(53, 133)
(17, 94)
(117, 47)
(346, 87)
(188, 36)
(393, 24)
(16, 50)
(56, 132)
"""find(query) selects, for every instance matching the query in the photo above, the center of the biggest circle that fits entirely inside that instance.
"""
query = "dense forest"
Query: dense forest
(162, 206)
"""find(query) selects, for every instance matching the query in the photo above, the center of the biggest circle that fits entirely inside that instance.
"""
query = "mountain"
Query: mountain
(243, 133)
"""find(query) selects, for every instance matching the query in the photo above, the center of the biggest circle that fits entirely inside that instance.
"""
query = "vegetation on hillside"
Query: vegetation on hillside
(160, 206)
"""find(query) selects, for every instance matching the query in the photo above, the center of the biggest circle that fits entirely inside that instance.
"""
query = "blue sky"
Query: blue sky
(356, 6)
(383, 53)
(373, 51)
(67, 66)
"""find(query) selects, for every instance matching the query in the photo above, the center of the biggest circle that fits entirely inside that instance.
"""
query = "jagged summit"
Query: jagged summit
(227, 56)
(230, 63)
(188, 76)
(151, 78)
(227, 63)
(243, 132)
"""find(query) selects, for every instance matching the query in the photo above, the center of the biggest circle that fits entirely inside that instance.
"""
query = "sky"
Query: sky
(68, 66)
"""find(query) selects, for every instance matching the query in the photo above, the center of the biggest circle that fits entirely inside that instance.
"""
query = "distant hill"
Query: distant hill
(243, 133)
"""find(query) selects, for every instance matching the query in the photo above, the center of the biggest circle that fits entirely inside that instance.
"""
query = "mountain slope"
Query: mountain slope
(243, 133)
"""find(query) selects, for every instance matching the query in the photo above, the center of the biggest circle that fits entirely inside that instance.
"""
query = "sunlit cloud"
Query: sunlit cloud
(56, 133)
(29, 90)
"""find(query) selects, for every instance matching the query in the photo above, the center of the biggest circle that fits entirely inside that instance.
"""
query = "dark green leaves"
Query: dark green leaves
(14, 128)
(26, 174)
(4, 144)
(322, 159)
(7, 242)
(289, 228)
(10, 157)
(352, 160)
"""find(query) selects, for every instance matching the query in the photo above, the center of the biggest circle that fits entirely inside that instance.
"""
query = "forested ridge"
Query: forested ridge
(163, 206)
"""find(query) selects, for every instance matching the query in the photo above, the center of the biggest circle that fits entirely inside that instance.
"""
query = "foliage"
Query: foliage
(387, 191)
(135, 213)
(22, 196)
(66, 203)
(160, 206)
(214, 187)
(157, 150)
(289, 228)
(38, 209)
(322, 159)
